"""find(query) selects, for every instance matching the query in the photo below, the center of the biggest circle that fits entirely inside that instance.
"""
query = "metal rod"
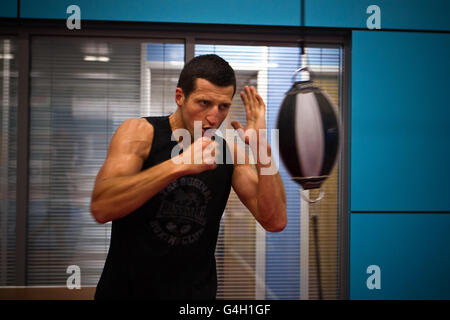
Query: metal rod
(316, 244)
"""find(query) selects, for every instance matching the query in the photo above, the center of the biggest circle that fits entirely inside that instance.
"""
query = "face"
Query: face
(208, 103)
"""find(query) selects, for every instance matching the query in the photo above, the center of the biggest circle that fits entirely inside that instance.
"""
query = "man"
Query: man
(165, 207)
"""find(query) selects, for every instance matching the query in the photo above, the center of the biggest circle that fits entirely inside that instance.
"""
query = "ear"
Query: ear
(179, 97)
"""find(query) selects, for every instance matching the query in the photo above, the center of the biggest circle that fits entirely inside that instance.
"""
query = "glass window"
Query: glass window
(81, 91)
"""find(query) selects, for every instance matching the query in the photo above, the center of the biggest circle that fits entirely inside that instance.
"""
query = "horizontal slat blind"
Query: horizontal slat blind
(8, 165)
(81, 91)
(237, 244)
(162, 68)
(249, 263)
(327, 63)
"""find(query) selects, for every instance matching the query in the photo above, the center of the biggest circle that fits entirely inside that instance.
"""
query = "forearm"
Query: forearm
(269, 207)
(271, 199)
(117, 197)
(271, 202)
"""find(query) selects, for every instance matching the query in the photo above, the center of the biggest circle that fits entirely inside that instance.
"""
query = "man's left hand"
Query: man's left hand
(255, 110)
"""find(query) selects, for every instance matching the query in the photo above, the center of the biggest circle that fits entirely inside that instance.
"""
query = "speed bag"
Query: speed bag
(309, 134)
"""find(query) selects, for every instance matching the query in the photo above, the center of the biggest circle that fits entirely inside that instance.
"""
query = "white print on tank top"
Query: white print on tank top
(181, 216)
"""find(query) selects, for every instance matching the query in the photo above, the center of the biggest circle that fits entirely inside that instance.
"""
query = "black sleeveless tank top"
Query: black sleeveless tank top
(165, 249)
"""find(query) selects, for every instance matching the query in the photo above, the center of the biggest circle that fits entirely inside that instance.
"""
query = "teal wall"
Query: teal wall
(411, 250)
(406, 15)
(400, 155)
(395, 14)
(8, 9)
(399, 112)
(248, 12)
(400, 148)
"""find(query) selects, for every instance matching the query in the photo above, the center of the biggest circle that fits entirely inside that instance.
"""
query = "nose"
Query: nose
(213, 116)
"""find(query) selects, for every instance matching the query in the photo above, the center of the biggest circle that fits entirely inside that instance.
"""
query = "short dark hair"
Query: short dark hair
(210, 67)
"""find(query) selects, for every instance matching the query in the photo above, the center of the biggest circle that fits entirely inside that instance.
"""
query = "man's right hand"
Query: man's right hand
(199, 156)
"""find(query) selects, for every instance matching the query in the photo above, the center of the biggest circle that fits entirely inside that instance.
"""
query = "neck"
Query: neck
(176, 121)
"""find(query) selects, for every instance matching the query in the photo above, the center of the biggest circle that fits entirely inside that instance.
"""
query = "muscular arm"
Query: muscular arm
(121, 187)
(262, 191)
(116, 197)
(263, 194)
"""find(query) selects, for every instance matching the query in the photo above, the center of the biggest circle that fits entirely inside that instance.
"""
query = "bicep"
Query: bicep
(119, 165)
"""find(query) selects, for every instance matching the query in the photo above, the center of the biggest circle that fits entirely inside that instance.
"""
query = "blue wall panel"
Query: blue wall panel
(412, 251)
(411, 14)
(400, 149)
(249, 12)
(8, 8)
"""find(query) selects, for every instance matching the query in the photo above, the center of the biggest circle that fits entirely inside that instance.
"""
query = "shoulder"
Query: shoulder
(137, 126)
(134, 135)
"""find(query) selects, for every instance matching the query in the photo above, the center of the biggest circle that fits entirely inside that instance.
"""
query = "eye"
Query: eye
(204, 102)
(224, 106)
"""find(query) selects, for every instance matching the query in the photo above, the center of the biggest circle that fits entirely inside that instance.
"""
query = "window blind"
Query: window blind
(253, 264)
(326, 62)
(8, 150)
(81, 91)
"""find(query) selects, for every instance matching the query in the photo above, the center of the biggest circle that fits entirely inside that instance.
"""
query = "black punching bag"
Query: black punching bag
(309, 133)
